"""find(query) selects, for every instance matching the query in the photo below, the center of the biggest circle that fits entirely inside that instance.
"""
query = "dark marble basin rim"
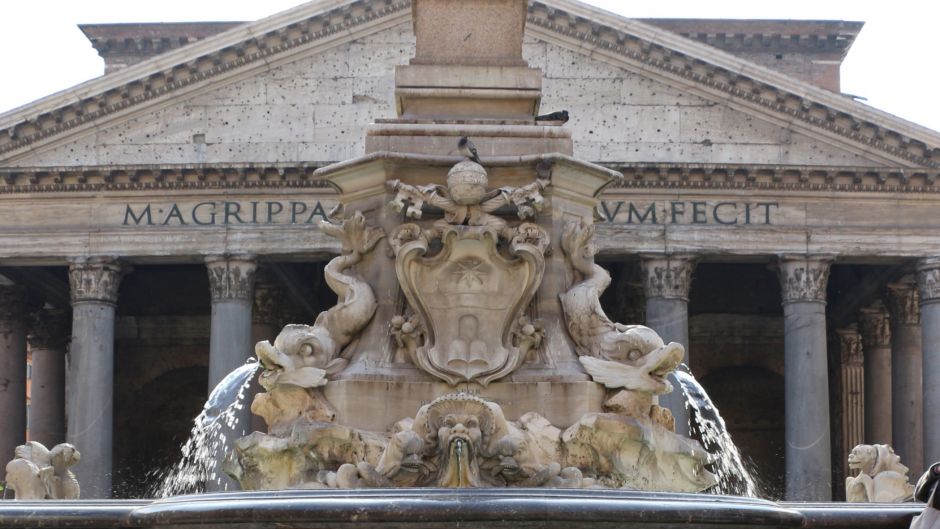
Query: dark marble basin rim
(436, 506)
(414, 508)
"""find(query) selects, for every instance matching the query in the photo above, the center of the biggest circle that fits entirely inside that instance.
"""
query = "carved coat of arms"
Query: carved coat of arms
(469, 294)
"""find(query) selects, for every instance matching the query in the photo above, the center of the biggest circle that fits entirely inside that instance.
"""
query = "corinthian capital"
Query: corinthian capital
(13, 301)
(231, 277)
(803, 277)
(667, 276)
(95, 279)
(48, 329)
(268, 300)
(875, 326)
(903, 301)
(928, 280)
(850, 342)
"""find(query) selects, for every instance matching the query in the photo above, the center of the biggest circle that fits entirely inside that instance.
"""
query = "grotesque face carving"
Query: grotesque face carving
(874, 459)
(863, 458)
(645, 361)
(456, 428)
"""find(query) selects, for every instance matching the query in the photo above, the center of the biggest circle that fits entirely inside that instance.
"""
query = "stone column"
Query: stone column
(231, 288)
(907, 383)
(876, 347)
(666, 281)
(803, 281)
(853, 389)
(928, 281)
(265, 320)
(94, 288)
(12, 372)
(48, 337)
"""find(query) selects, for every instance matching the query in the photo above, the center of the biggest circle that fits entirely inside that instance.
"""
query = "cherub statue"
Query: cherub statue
(882, 478)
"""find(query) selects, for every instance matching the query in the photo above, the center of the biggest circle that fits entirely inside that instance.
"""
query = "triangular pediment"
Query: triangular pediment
(302, 85)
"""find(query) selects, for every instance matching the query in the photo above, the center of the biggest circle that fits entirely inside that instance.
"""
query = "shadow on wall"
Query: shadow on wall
(751, 400)
(151, 427)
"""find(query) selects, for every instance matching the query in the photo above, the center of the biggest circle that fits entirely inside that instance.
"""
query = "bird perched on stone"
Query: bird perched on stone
(560, 116)
(468, 149)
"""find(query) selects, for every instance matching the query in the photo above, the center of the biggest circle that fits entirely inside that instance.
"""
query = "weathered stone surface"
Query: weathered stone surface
(928, 282)
(315, 108)
(38, 473)
(803, 281)
(13, 308)
(457, 328)
(907, 372)
(882, 478)
(875, 329)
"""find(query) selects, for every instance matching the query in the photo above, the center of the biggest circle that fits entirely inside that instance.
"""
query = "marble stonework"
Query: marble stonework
(882, 478)
(39, 473)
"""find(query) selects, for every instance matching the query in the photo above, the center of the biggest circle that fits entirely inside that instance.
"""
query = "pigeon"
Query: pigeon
(468, 149)
(560, 116)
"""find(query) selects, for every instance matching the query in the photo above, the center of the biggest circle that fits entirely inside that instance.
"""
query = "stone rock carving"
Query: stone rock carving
(467, 200)
(303, 356)
(470, 284)
(882, 478)
(37, 473)
(457, 440)
(634, 445)
(468, 281)
(643, 357)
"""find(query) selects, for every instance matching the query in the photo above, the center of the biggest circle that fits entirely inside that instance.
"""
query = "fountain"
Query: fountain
(467, 375)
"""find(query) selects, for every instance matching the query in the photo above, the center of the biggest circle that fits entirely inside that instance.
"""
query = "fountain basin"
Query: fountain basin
(445, 508)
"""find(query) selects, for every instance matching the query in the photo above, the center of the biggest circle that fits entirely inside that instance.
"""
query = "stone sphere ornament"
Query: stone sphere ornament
(467, 182)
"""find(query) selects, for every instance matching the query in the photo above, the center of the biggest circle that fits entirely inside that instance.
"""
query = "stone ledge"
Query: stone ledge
(309, 175)
(451, 508)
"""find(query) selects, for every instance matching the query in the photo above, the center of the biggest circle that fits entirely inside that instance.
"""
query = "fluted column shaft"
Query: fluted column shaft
(12, 372)
(875, 327)
(928, 281)
(89, 402)
(48, 336)
(853, 389)
(808, 451)
(231, 289)
(666, 281)
(907, 383)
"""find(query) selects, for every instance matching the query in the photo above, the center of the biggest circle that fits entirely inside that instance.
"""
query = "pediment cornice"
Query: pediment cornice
(692, 65)
(258, 44)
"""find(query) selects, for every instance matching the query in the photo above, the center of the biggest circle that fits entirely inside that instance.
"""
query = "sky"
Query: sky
(893, 62)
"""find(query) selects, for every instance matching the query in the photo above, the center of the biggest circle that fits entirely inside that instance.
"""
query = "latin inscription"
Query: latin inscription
(724, 213)
(215, 213)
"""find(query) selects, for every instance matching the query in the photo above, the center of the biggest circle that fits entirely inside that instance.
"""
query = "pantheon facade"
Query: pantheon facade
(160, 219)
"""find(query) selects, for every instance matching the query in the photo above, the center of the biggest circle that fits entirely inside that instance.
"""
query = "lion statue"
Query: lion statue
(881, 479)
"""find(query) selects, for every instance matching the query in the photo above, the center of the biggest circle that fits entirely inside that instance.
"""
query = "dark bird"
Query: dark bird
(468, 149)
(560, 116)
